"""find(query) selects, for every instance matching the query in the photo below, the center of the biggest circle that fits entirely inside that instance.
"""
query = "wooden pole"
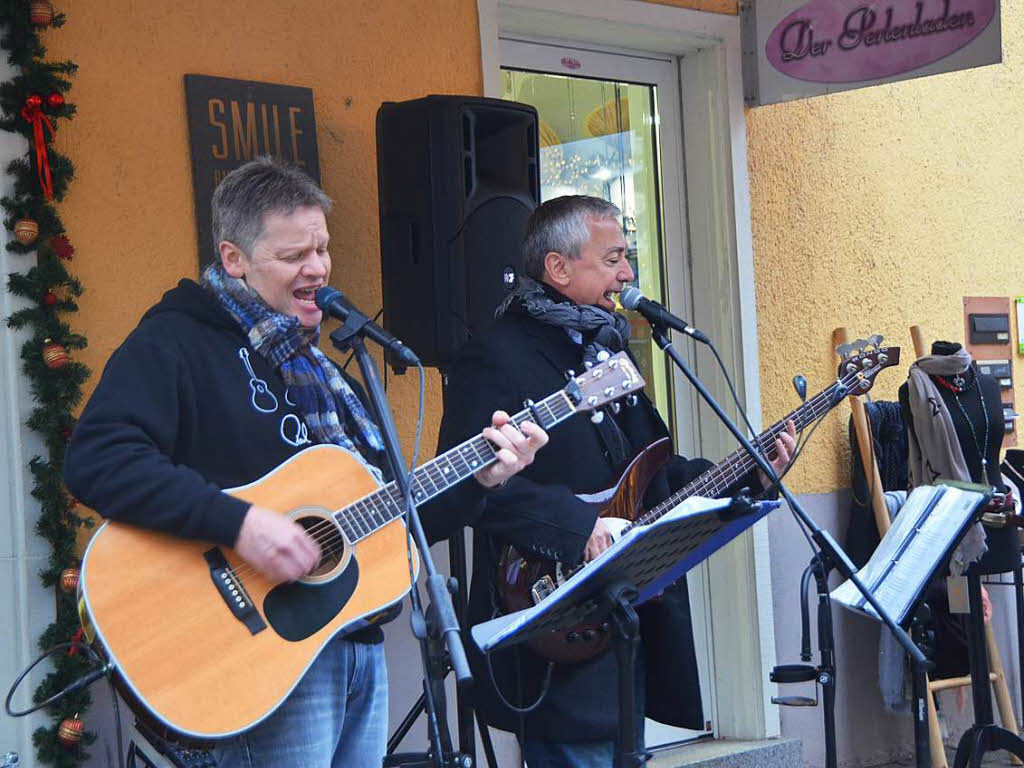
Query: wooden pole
(866, 447)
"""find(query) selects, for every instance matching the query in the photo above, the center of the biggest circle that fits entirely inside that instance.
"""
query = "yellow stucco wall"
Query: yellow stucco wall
(878, 209)
(714, 6)
(130, 211)
(872, 209)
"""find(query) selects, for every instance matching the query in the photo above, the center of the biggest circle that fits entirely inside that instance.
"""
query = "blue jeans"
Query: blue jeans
(336, 716)
(580, 754)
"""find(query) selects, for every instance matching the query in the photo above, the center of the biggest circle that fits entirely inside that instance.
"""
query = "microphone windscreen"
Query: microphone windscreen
(630, 297)
(326, 296)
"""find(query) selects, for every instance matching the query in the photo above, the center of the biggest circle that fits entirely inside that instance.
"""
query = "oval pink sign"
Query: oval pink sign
(842, 41)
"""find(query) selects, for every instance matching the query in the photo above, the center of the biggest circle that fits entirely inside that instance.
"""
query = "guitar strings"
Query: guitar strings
(739, 463)
(329, 533)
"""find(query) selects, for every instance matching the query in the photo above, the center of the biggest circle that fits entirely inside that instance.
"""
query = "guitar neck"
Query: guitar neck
(375, 510)
(739, 464)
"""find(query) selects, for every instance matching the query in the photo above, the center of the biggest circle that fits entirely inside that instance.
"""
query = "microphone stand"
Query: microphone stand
(830, 549)
(440, 627)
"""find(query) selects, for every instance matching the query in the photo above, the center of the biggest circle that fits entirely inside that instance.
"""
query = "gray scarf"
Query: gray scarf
(602, 331)
(934, 450)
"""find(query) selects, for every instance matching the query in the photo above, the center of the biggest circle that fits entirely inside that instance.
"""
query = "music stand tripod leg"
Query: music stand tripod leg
(984, 736)
(626, 640)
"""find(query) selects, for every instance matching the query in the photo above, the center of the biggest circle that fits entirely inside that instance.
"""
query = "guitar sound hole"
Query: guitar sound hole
(332, 543)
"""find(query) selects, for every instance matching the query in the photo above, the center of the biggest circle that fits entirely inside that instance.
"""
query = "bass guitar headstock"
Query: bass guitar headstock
(861, 361)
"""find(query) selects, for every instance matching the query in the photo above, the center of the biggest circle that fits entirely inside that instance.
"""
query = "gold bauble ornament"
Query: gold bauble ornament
(55, 356)
(69, 732)
(26, 231)
(40, 13)
(69, 580)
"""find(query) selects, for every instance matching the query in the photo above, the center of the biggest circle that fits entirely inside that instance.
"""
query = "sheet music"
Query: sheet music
(650, 556)
(922, 535)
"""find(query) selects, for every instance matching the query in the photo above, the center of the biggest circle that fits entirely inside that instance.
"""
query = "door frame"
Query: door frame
(714, 160)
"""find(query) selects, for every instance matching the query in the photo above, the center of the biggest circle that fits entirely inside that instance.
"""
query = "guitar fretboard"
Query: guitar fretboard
(361, 518)
(739, 464)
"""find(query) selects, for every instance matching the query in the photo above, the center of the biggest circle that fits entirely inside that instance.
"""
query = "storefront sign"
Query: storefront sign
(233, 121)
(794, 50)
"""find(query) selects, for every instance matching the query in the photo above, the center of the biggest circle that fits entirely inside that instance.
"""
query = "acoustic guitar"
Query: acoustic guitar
(524, 581)
(208, 647)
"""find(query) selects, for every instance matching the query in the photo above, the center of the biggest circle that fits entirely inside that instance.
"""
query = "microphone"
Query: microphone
(334, 303)
(632, 298)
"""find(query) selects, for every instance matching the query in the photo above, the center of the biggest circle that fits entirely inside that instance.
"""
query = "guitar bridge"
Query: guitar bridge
(542, 588)
(232, 591)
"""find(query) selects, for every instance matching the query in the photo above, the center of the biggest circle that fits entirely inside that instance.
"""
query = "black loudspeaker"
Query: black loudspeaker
(458, 178)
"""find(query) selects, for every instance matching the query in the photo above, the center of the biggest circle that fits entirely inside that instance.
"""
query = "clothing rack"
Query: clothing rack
(997, 676)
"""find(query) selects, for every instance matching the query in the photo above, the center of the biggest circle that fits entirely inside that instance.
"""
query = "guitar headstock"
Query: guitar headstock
(606, 382)
(861, 361)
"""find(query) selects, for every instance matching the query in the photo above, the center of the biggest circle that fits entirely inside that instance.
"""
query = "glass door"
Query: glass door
(599, 138)
(610, 128)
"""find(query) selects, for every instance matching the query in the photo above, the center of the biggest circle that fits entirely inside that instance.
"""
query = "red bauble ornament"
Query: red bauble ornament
(55, 100)
(69, 732)
(26, 231)
(50, 298)
(33, 101)
(55, 356)
(69, 579)
(40, 13)
(62, 247)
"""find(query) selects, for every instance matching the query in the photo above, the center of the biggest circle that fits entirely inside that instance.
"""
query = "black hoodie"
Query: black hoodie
(185, 407)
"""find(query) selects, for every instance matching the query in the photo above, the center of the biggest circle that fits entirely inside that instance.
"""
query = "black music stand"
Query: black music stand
(631, 571)
(913, 551)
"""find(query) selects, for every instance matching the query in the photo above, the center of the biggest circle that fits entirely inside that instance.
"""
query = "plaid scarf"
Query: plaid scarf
(326, 401)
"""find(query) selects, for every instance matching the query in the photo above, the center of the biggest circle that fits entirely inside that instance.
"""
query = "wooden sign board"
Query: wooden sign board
(233, 121)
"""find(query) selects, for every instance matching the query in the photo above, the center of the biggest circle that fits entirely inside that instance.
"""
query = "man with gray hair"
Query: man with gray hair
(561, 318)
(222, 382)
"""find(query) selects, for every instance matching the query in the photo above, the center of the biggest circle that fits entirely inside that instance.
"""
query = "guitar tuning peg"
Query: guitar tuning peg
(570, 375)
(844, 350)
(632, 400)
(587, 364)
(875, 340)
(860, 345)
(603, 355)
(597, 417)
(616, 408)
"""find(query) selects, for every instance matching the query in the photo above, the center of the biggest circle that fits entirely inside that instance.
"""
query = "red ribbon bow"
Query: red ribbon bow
(76, 638)
(33, 113)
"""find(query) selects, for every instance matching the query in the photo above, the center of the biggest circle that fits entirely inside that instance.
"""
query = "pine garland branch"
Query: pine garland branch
(50, 292)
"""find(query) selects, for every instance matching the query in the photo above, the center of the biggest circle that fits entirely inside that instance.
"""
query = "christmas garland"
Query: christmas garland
(33, 104)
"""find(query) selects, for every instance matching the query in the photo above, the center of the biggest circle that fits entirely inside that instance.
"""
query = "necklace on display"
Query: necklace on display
(956, 386)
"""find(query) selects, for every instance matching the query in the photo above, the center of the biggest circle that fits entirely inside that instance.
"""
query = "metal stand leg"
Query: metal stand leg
(467, 742)
(1018, 593)
(984, 736)
(824, 674)
(625, 639)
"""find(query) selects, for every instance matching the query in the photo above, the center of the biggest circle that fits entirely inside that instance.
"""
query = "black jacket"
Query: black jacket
(537, 511)
(176, 417)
